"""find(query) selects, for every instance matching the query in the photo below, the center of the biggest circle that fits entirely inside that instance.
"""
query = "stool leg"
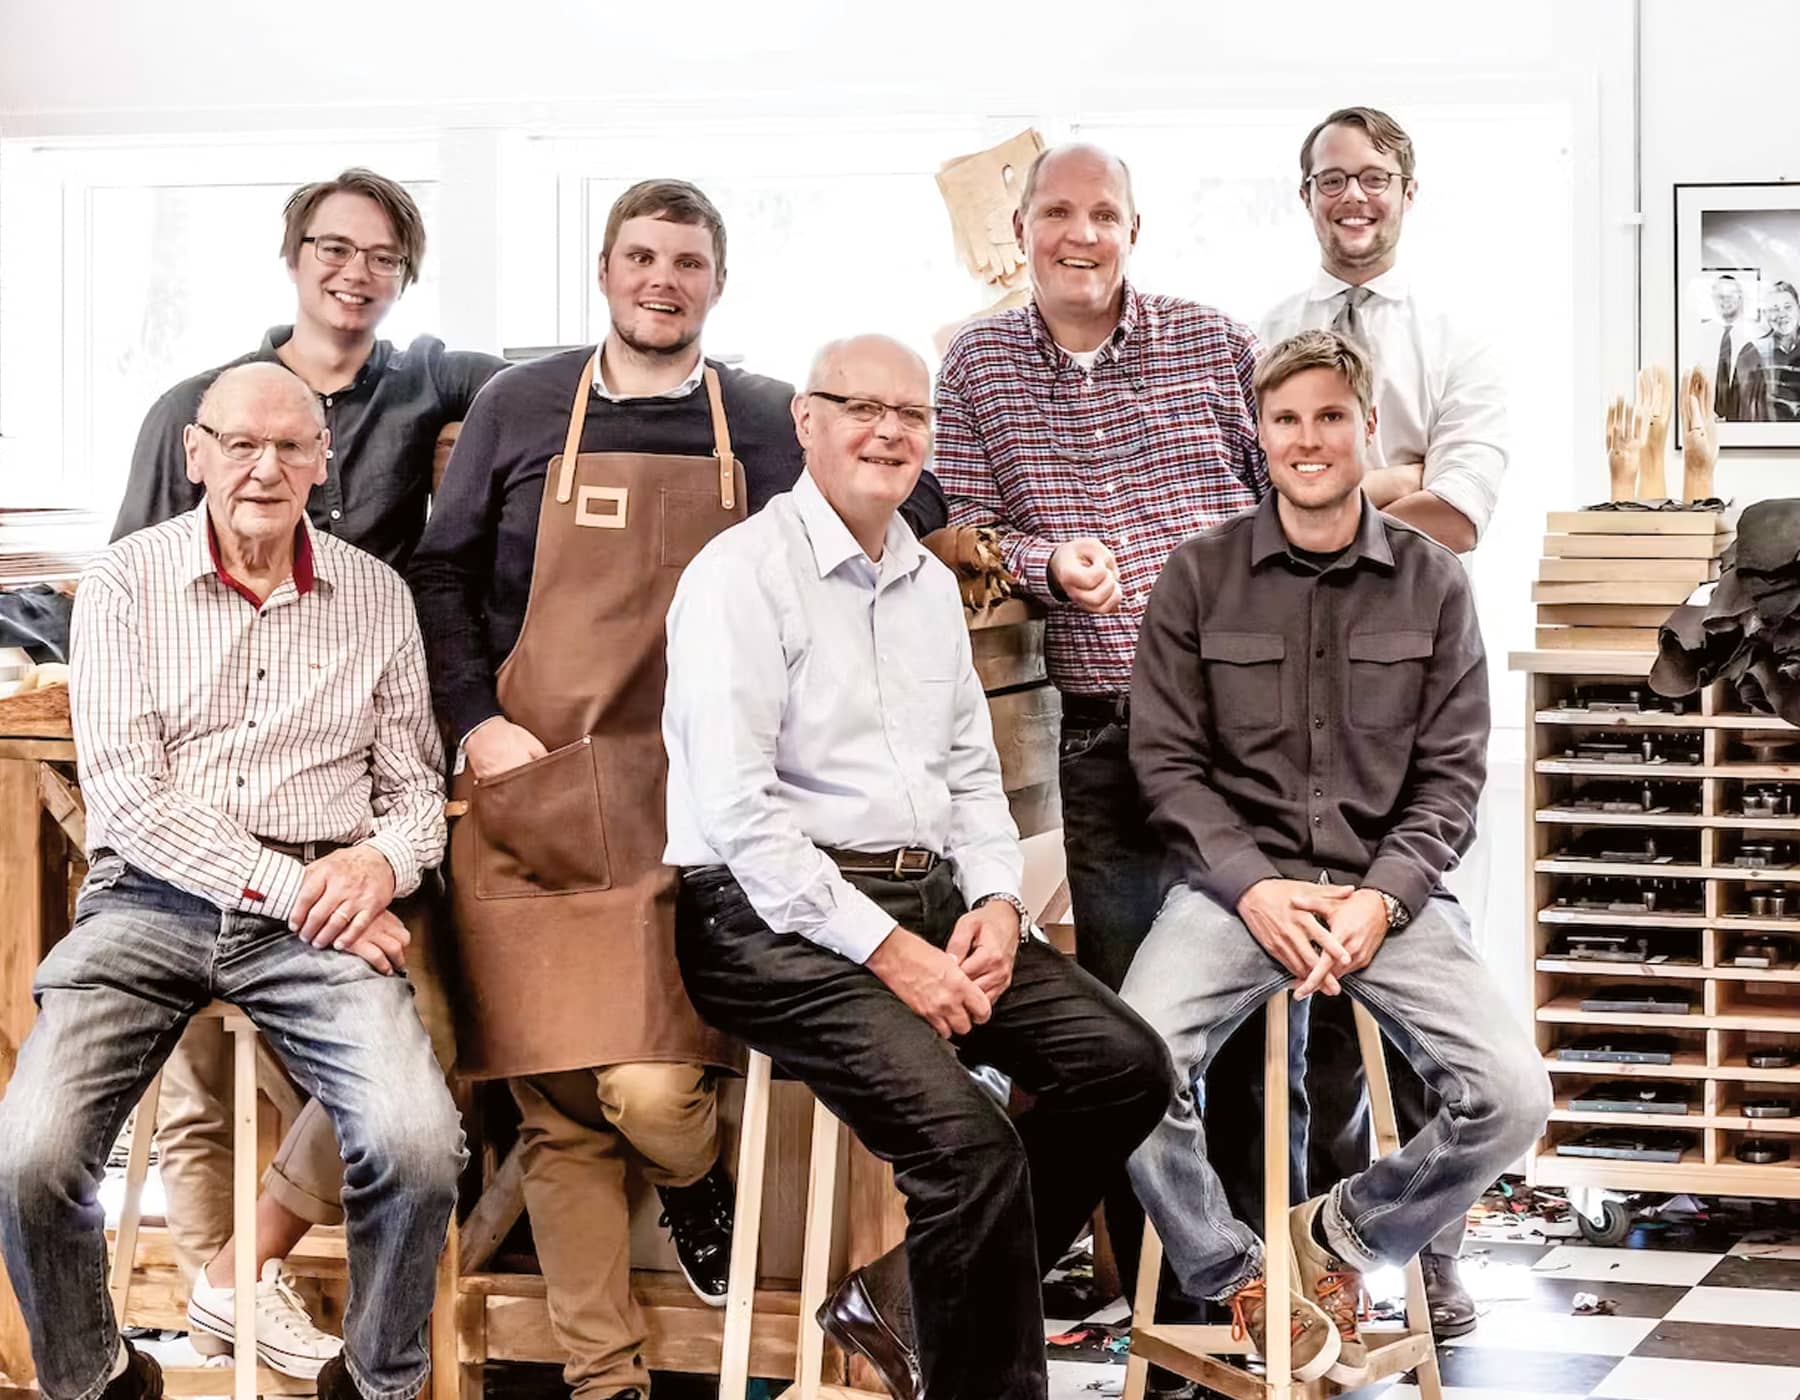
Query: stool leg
(1143, 1310)
(243, 1208)
(1277, 1244)
(740, 1293)
(1387, 1139)
(445, 1382)
(815, 1259)
(137, 1167)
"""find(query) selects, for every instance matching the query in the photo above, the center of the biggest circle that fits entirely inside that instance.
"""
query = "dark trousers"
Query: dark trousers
(987, 1197)
(1115, 888)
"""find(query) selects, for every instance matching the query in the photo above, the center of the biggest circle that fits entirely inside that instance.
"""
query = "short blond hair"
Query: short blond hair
(1319, 349)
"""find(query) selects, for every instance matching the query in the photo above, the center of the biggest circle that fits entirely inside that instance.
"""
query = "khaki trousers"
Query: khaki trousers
(194, 1129)
(576, 1129)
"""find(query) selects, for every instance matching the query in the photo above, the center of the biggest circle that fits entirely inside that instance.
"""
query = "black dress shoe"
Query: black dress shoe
(1452, 1309)
(851, 1321)
(142, 1378)
(334, 1381)
(698, 1219)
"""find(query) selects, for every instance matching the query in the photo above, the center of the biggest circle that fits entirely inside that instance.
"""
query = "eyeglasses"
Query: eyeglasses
(339, 252)
(1374, 180)
(247, 447)
(914, 417)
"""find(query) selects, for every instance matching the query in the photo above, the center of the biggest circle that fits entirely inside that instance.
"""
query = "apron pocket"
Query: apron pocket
(689, 520)
(538, 829)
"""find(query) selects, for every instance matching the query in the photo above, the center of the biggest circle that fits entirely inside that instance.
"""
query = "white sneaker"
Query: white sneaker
(285, 1336)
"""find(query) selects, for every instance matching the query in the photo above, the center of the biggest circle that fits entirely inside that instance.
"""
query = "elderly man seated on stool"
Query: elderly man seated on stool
(1309, 720)
(263, 777)
(849, 900)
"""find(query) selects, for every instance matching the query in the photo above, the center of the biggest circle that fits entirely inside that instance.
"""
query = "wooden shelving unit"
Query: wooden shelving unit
(1703, 909)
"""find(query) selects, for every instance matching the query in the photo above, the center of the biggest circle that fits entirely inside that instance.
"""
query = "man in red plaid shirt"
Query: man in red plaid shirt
(1097, 428)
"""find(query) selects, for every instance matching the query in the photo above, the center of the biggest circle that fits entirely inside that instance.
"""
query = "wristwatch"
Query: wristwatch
(1398, 914)
(1026, 927)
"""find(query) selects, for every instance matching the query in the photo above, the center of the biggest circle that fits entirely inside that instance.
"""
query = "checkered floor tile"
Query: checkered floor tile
(1697, 1314)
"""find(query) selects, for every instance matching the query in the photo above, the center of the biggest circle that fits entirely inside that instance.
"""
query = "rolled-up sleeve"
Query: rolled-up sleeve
(1467, 452)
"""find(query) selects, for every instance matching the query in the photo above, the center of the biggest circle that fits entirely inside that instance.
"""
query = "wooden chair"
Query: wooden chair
(1194, 1352)
(828, 1140)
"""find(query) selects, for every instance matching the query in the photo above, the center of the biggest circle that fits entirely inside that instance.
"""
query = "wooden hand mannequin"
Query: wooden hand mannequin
(1699, 436)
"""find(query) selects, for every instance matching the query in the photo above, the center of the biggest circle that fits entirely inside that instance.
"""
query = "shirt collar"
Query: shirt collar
(277, 336)
(1130, 313)
(680, 391)
(1268, 539)
(833, 544)
(1392, 285)
(203, 557)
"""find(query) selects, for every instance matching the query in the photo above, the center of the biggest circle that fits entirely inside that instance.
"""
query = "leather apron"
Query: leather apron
(565, 913)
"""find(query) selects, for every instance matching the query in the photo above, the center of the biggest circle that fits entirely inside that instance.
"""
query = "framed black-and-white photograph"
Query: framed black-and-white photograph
(1737, 307)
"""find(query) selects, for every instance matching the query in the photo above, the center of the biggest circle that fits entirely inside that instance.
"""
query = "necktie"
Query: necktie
(1722, 379)
(1349, 323)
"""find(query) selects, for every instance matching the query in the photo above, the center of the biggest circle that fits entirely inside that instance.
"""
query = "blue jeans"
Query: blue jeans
(1200, 973)
(113, 998)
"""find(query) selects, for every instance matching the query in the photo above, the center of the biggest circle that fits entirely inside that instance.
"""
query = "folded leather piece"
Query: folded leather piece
(1747, 634)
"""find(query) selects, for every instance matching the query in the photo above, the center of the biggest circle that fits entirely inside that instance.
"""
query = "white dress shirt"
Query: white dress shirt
(203, 721)
(817, 698)
(1439, 396)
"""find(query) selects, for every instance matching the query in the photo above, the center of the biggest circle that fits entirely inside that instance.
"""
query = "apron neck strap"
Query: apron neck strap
(565, 479)
(721, 441)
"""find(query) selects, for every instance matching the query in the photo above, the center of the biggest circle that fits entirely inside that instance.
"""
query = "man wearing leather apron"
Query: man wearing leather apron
(581, 486)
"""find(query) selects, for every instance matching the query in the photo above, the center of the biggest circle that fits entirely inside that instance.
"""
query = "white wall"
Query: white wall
(1714, 111)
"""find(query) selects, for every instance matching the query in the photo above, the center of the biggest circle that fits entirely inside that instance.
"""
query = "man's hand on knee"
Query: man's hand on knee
(381, 943)
(930, 982)
(341, 895)
(1289, 918)
(1360, 923)
(985, 942)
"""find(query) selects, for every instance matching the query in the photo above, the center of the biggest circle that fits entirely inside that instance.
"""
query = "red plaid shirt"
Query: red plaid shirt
(1156, 443)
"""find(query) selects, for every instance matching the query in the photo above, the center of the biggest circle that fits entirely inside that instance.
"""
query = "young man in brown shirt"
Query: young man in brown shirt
(1309, 725)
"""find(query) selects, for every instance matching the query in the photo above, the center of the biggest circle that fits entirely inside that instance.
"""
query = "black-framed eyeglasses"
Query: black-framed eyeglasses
(1374, 180)
(914, 417)
(247, 447)
(340, 252)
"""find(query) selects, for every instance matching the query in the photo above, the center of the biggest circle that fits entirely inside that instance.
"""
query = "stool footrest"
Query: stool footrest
(834, 1392)
(217, 1380)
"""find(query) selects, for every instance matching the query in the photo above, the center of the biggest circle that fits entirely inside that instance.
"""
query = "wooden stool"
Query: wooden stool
(1192, 1351)
(249, 1380)
(815, 1265)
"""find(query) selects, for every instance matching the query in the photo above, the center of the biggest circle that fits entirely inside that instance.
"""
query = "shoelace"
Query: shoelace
(1241, 1303)
(300, 1324)
(1340, 1295)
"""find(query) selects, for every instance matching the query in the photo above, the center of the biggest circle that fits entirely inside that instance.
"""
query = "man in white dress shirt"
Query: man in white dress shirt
(263, 777)
(850, 889)
(1440, 454)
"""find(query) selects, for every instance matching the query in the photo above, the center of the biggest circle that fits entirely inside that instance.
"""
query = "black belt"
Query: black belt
(907, 863)
(1096, 709)
(307, 851)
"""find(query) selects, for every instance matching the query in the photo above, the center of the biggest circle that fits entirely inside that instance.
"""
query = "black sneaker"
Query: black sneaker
(698, 1219)
(334, 1381)
(142, 1378)
(1453, 1311)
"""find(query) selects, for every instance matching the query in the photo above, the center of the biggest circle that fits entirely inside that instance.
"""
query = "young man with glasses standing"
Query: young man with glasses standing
(582, 485)
(352, 246)
(1438, 458)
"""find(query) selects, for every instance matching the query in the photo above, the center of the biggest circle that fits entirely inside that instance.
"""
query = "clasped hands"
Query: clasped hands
(343, 904)
(952, 988)
(1317, 932)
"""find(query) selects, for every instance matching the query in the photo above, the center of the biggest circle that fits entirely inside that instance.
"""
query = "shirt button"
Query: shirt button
(1320, 652)
(260, 673)
(1318, 792)
(240, 781)
(253, 724)
(1318, 821)
(328, 401)
(337, 515)
(1318, 722)
(1099, 435)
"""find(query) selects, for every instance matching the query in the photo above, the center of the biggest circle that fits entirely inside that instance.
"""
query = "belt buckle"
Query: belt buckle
(900, 863)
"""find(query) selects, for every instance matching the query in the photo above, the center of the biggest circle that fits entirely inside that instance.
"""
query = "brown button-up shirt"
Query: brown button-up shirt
(1288, 720)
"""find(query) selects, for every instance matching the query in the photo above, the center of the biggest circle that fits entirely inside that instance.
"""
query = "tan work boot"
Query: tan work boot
(1312, 1341)
(1336, 1288)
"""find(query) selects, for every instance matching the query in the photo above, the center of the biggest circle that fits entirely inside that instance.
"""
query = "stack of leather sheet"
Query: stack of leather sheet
(1748, 633)
(1609, 577)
